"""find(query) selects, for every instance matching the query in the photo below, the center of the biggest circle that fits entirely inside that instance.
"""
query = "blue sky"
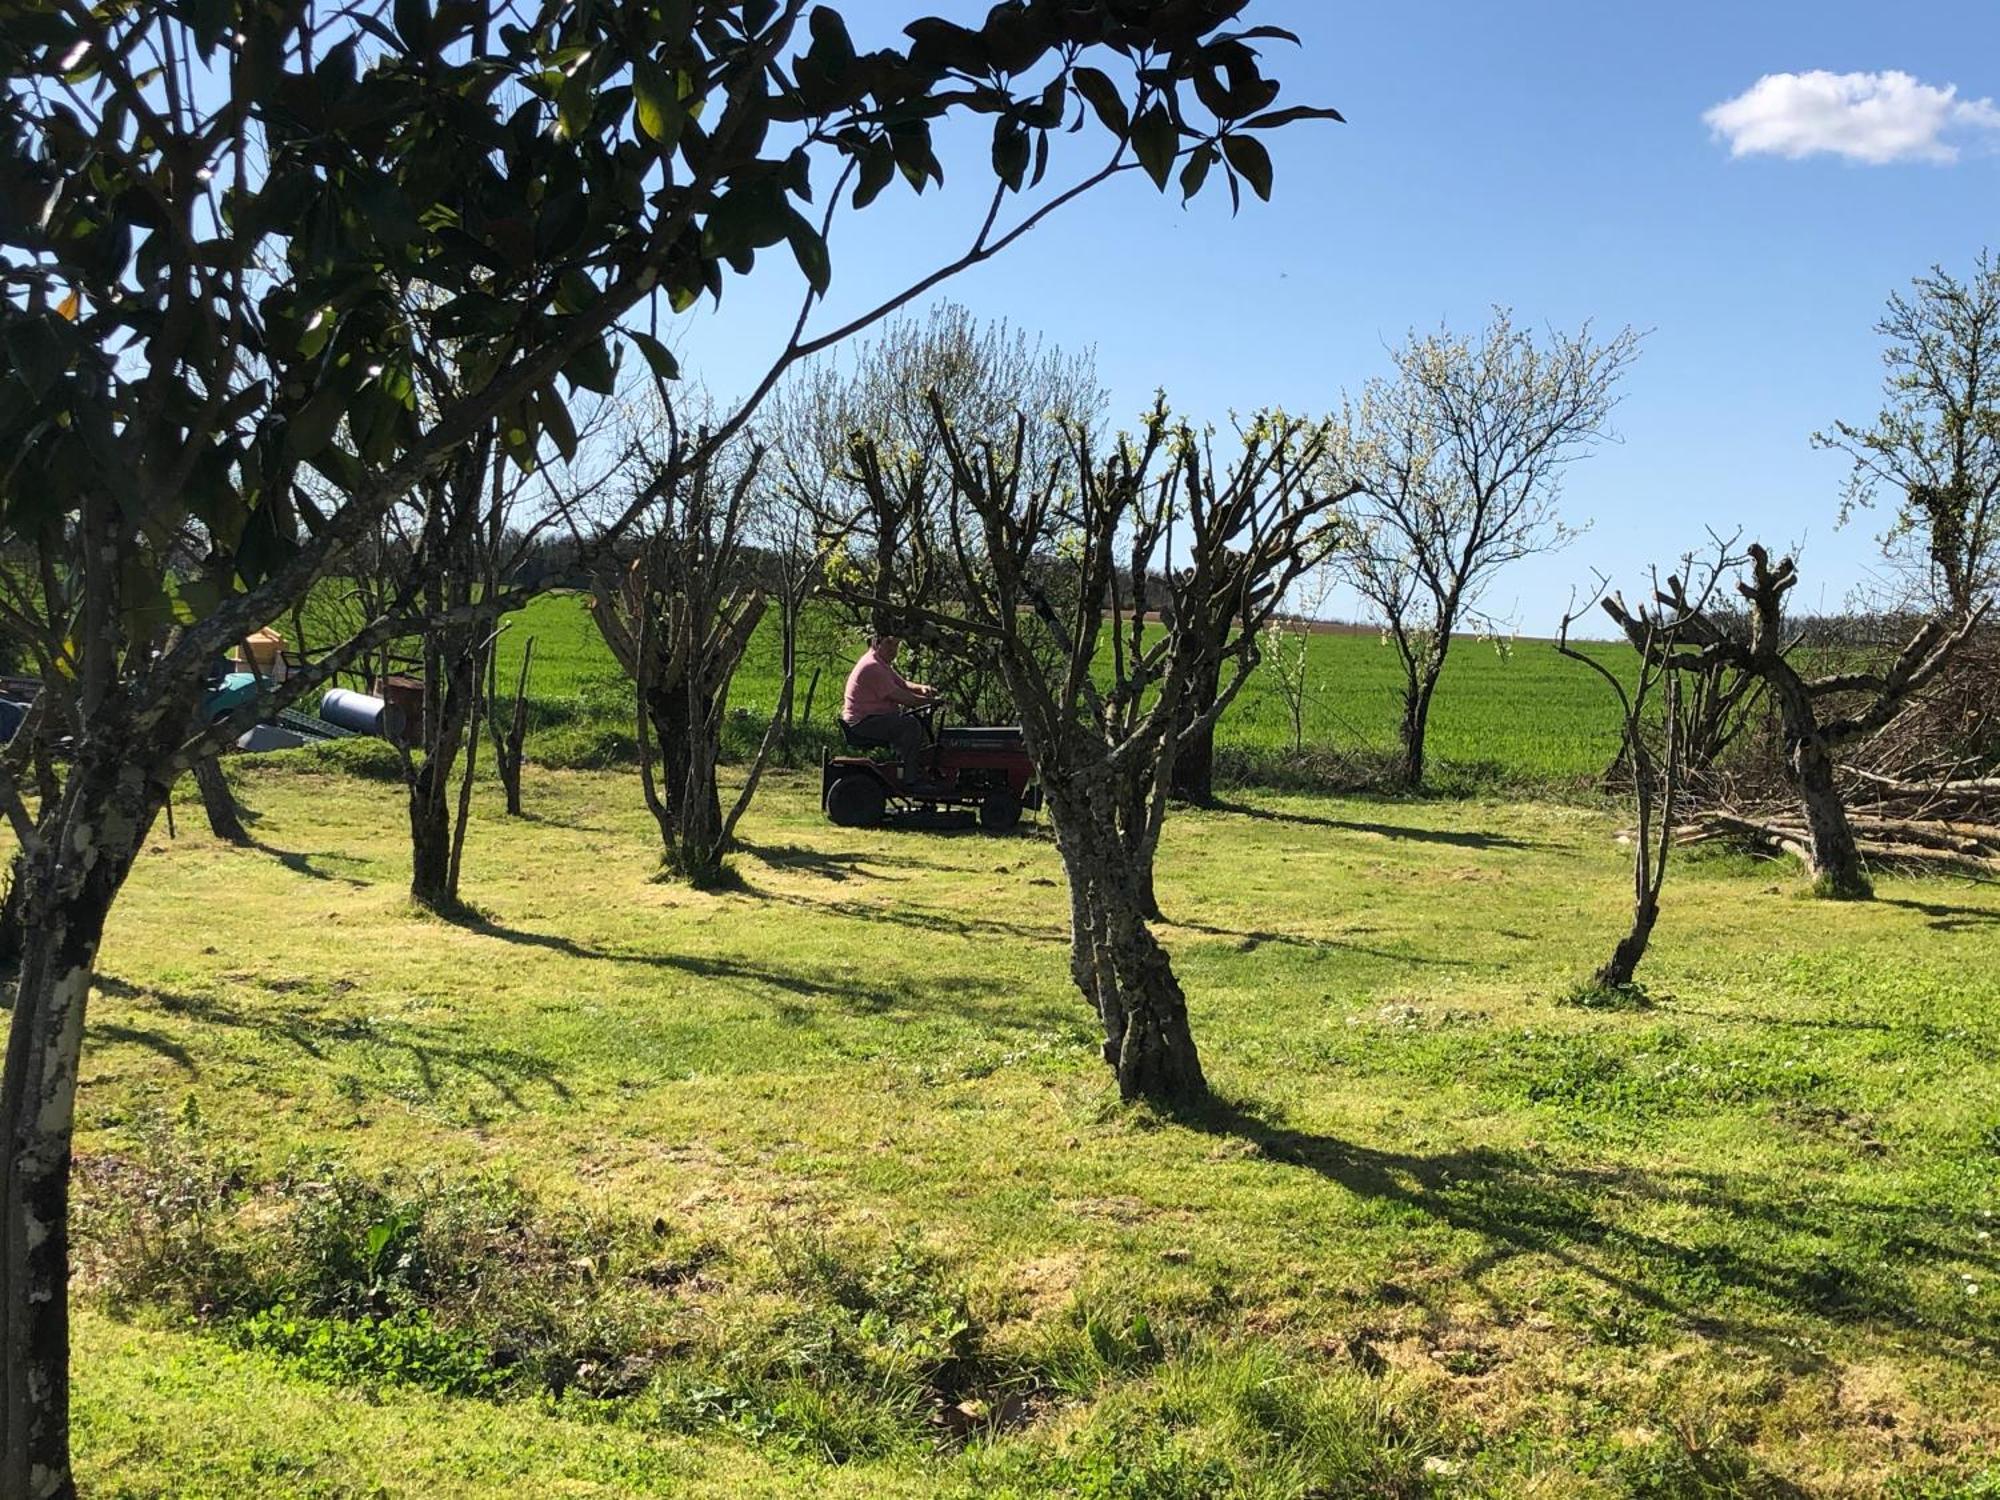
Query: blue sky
(1552, 157)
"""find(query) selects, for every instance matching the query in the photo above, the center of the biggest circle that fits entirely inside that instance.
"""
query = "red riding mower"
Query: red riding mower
(982, 771)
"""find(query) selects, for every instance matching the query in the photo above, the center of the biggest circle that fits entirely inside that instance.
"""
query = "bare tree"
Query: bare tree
(1105, 716)
(1817, 715)
(1460, 459)
(509, 736)
(679, 619)
(1287, 666)
(1653, 727)
(1935, 445)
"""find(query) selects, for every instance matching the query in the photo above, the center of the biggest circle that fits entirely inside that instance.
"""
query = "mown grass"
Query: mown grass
(1518, 714)
(816, 1186)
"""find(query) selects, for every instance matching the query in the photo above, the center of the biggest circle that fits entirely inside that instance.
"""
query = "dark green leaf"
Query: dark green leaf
(810, 251)
(313, 425)
(413, 24)
(1104, 98)
(878, 166)
(1195, 173)
(38, 351)
(660, 111)
(1251, 161)
(1010, 153)
(657, 355)
(1155, 138)
(591, 368)
(1279, 117)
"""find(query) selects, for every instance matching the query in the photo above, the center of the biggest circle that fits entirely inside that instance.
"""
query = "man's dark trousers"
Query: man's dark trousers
(904, 731)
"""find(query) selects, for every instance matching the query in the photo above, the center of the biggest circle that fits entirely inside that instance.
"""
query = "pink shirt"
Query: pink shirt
(868, 688)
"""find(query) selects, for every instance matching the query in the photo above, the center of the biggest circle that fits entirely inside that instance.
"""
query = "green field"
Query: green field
(1521, 715)
(816, 1187)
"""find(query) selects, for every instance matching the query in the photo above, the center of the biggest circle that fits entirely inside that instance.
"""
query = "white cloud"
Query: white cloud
(1871, 117)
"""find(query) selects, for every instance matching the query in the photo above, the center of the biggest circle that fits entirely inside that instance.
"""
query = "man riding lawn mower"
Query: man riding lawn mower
(983, 769)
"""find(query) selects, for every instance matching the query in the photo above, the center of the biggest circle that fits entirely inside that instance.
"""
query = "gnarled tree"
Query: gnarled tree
(1817, 715)
(1105, 712)
(679, 619)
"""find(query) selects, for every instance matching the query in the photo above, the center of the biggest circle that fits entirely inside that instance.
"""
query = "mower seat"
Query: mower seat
(870, 748)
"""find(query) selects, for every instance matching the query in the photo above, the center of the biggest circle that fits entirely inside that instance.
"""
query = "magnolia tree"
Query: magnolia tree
(217, 214)
(1047, 560)
(1460, 457)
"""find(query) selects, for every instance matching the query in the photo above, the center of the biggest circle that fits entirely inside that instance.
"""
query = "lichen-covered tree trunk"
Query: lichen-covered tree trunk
(108, 807)
(689, 810)
(447, 719)
(1194, 762)
(1118, 964)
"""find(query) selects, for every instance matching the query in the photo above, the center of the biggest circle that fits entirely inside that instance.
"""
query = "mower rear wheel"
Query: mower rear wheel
(999, 811)
(857, 800)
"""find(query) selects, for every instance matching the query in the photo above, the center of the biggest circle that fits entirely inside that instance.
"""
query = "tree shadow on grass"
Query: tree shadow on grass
(948, 924)
(302, 863)
(1248, 940)
(862, 996)
(1399, 831)
(835, 865)
(1945, 917)
(1528, 1205)
(432, 1057)
(152, 1041)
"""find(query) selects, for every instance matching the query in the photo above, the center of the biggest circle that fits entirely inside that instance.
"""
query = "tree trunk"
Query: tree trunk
(107, 810)
(1618, 972)
(11, 909)
(218, 802)
(1194, 761)
(1415, 728)
(690, 807)
(1122, 970)
(1835, 858)
(431, 883)
(509, 746)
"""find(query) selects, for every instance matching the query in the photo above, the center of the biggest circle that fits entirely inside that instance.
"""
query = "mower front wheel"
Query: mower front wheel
(857, 800)
(999, 811)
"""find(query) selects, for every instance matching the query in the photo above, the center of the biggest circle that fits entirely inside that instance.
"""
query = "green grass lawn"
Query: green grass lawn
(1521, 714)
(817, 1187)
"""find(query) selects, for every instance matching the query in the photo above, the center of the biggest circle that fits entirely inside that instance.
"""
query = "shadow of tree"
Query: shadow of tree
(432, 1056)
(936, 990)
(302, 863)
(944, 923)
(1523, 1205)
(152, 1041)
(1254, 938)
(1945, 917)
(1456, 838)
